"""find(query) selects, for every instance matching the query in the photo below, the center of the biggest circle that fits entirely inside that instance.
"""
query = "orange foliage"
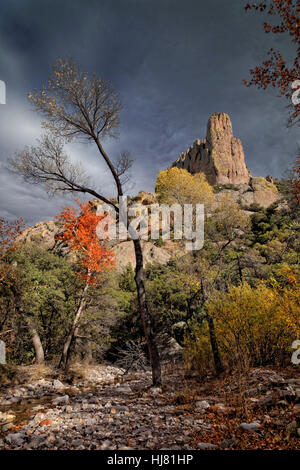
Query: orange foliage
(275, 70)
(80, 235)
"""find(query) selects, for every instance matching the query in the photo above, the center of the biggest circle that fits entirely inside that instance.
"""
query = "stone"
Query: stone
(294, 382)
(206, 446)
(7, 427)
(155, 391)
(106, 445)
(42, 234)
(221, 409)
(202, 405)
(58, 385)
(251, 427)
(265, 192)
(220, 156)
(7, 417)
(124, 389)
(267, 401)
(16, 439)
(124, 253)
(291, 426)
(258, 192)
(61, 400)
(2, 352)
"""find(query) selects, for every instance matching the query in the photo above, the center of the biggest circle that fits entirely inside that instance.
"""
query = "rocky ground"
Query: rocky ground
(103, 409)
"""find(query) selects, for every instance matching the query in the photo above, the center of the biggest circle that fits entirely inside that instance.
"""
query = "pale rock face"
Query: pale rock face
(220, 156)
(44, 235)
(151, 254)
(258, 191)
(264, 191)
(41, 234)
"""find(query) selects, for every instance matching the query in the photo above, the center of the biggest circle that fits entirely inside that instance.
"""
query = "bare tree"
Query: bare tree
(78, 106)
(131, 357)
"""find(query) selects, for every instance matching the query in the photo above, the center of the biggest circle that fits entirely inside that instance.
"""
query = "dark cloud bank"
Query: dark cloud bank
(173, 62)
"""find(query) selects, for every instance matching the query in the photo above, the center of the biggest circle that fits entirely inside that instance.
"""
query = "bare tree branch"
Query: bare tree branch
(48, 164)
(123, 165)
(76, 105)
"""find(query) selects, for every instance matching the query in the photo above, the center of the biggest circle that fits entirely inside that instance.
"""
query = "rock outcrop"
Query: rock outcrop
(44, 235)
(260, 191)
(220, 156)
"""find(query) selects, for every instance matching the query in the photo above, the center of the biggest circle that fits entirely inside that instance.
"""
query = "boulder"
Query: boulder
(202, 405)
(259, 191)
(206, 446)
(250, 427)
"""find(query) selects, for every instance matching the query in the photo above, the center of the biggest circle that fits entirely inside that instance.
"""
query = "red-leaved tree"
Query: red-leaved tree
(276, 70)
(95, 258)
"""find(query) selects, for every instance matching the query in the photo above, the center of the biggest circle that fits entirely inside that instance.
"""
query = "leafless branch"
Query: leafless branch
(75, 104)
(48, 164)
(131, 357)
(123, 165)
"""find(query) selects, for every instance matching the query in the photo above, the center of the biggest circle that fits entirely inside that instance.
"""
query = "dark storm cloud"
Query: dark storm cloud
(173, 62)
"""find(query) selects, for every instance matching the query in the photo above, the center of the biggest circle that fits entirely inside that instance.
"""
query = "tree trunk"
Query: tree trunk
(66, 349)
(214, 345)
(146, 316)
(37, 344)
(36, 340)
(212, 333)
(240, 269)
(147, 319)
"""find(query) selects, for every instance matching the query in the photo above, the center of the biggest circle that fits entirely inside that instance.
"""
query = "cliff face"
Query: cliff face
(220, 156)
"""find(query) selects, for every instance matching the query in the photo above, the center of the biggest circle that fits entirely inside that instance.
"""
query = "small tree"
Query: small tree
(78, 106)
(47, 294)
(175, 185)
(9, 231)
(95, 258)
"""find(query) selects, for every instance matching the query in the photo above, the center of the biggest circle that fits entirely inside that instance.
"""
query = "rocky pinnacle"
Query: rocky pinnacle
(220, 156)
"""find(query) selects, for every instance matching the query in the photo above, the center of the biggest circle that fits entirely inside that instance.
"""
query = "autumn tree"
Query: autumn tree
(276, 70)
(79, 233)
(77, 105)
(225, 229)
(176, 185)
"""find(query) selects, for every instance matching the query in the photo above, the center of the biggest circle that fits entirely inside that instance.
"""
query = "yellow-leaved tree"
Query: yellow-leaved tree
(177, 186)
(286, 284)
(253, 325)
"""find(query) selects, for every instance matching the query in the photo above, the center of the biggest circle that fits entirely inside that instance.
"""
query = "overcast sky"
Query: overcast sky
(173, 62)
